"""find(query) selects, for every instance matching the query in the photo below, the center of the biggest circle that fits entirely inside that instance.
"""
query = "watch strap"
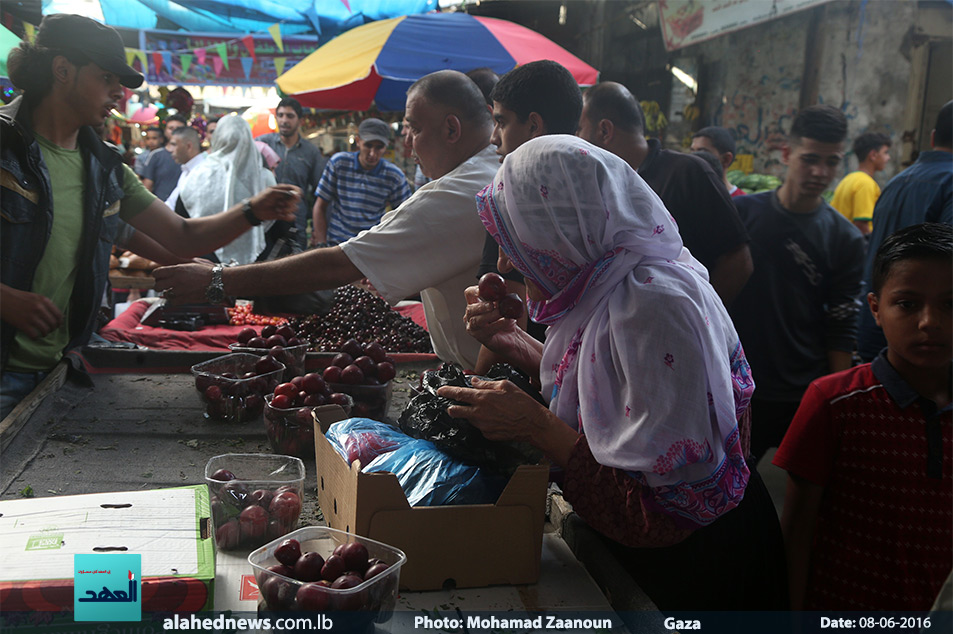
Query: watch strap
(249, 214)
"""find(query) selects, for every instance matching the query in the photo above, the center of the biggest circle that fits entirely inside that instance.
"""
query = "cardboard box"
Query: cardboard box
(463, 546)
(170, 528)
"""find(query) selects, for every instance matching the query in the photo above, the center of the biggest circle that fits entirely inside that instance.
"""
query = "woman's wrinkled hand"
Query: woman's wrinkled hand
(486, 325)
(499, 409)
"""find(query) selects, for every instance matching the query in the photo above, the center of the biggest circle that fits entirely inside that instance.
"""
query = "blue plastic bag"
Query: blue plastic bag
(428, 476)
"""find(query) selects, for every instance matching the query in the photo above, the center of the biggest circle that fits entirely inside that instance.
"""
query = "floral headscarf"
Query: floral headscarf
(640, 355)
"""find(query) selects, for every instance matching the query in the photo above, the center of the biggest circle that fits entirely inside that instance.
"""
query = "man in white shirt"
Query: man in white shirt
(431, 244)
(187, 152)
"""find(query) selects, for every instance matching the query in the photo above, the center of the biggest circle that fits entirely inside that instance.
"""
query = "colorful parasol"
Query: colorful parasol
(377, 62)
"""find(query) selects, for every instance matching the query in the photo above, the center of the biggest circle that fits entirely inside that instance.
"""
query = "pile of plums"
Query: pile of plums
(280, 342)
(288, 420)
(363, 372)
(237, 394)
(322, 579)
(358, 314)
(492, 288)
(248, 518)
(270, 337)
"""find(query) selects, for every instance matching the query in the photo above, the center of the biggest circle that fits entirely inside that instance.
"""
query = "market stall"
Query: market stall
(135, 432)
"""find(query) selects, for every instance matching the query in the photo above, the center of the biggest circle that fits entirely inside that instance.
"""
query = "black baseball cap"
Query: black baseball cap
(100, 43)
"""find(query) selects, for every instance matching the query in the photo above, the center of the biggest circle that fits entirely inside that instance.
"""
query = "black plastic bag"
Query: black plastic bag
(426, 417)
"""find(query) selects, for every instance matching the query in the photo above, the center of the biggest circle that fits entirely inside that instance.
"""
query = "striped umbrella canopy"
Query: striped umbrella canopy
(377, 62)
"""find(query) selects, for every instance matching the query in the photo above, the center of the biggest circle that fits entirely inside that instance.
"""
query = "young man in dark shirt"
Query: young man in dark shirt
(301, 164)
(797, 314)
(692, 192)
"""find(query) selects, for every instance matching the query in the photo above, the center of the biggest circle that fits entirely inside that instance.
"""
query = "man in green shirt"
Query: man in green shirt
(64, 193)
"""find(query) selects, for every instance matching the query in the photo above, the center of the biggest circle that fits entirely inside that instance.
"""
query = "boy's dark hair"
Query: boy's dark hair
(825, 124)
(614, 102)
(930, 240)
(943, 137)
(486, 79)
(290, 102)
(177, 117)
(154, 128)
(546, 88)
(869, 142)
(712, 160)
(721, 138)
(30, 68)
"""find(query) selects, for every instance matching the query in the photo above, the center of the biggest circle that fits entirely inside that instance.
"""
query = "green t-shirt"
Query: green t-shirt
(57, 270)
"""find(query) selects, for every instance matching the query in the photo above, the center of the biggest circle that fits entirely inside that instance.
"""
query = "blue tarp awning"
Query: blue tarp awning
(326, 18)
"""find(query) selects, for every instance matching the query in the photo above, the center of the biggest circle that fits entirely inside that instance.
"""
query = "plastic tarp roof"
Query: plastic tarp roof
(324, 17)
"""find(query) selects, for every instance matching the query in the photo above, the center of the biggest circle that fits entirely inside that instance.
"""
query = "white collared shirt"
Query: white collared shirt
(186, 169)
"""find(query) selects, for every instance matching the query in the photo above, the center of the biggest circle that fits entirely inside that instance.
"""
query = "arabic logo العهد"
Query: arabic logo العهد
(106, 587)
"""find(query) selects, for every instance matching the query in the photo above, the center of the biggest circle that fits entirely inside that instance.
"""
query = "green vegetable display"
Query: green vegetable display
(753, 183)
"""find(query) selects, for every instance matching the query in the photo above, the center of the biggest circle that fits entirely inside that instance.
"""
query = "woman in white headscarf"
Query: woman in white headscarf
(232, 172)
(647, 382)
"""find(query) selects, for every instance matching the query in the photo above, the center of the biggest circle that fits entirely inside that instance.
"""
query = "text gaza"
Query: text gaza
(677, 624)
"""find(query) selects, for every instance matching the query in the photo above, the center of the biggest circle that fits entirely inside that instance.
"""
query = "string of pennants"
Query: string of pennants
(217, 54)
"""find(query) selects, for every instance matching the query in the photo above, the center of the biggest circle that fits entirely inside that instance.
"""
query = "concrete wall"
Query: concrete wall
(754, 84)
(864, 70)
(753, 80)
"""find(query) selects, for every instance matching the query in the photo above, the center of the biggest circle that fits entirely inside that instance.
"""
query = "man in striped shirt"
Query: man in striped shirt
(356, 187)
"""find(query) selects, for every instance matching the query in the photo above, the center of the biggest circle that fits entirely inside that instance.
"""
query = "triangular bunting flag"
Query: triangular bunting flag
(186, 60)
(347, 5)
(141, 54)
(223, 53)
(275, 30)
(280, 65)
(246, 66)
(130, 55)
(29, 29)
(200, 55)
(167, 59)
(217, 65)
(157, 60)
(249, 43)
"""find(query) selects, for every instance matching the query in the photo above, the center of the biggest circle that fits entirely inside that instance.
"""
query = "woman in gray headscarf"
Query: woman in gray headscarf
(232, 172)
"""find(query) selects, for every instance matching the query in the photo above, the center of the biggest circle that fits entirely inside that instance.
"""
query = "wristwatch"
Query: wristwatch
(249, 214)
(215, 292)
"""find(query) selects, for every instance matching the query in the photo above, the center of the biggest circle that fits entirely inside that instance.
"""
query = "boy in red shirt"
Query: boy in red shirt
(868, 513)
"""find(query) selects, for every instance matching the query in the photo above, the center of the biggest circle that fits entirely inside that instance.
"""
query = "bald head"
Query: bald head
(613, 120)
(454, 92)
(446, 121)
(613, 101)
